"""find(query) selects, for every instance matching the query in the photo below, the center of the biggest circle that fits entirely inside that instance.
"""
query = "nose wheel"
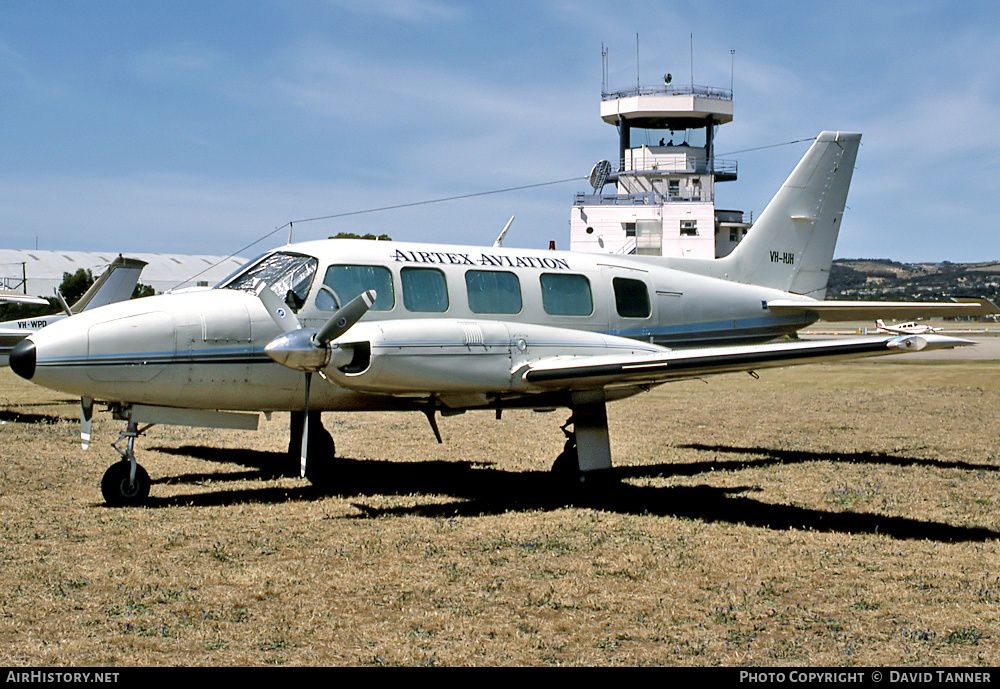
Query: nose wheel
(125, 482)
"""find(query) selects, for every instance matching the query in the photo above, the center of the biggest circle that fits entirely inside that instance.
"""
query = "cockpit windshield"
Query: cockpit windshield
(288, 275)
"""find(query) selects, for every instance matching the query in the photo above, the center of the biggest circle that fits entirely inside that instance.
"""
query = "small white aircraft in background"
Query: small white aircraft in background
(116, 283)
(448, 329)
(908, 328)
(8, 296)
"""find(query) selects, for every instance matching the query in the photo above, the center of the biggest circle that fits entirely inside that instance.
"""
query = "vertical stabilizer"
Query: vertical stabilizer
(790, 247)
(115, 284)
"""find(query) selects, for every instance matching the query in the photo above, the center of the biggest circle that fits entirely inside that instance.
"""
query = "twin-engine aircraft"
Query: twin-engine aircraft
(447, 329)
(116, 283)
(908, 328)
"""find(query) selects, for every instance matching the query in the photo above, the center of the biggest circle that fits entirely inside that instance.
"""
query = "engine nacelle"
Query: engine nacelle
(451, 356)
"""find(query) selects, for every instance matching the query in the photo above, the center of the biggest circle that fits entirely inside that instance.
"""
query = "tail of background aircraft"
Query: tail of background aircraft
(790, 247)
(115, 284)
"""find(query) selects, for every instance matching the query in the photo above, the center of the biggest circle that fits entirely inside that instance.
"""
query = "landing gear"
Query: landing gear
(321, 451)
(588, 445)
(121, 489)
(567, 464)
(125, 482)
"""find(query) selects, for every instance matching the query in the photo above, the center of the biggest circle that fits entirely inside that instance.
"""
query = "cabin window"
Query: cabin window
(424, 289)
(566, 295)
(689, 228)
(631, 298)
(493, 291)
(343, 283)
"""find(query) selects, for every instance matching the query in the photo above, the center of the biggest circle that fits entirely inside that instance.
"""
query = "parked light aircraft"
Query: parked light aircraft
(446, 329)
(116, 283)
(908, 328)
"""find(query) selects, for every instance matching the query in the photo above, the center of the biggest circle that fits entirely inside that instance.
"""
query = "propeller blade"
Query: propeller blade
(278, 310)
(345, 317)
(86, 420)
(305, 431)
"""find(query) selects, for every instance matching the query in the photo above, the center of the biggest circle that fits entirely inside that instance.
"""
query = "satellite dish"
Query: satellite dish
(599, 175)
(667, 78)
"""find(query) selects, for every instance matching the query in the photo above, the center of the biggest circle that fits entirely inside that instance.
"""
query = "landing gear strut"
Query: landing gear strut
(126, 482)
(322, 449)
(588, 445)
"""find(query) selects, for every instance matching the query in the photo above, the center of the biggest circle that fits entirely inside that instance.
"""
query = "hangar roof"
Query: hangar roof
(43, 270)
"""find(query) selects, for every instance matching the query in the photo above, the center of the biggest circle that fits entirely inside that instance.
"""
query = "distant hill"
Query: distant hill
(883, 279)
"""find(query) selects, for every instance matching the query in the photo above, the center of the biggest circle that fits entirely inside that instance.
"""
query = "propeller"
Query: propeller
(307, 349)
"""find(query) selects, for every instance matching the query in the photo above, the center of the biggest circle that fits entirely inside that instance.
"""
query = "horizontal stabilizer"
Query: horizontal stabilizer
(869, 310)
(18, 298)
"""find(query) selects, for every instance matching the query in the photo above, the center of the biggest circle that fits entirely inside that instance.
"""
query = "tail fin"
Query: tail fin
(790, 247)
(116, 283)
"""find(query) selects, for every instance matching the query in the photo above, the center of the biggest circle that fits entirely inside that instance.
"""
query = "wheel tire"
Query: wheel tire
(118, 491)
(567, 465)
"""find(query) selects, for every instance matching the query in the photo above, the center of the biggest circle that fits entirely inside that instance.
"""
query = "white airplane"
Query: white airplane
(116, 283)
(447, 329)
(908, 328)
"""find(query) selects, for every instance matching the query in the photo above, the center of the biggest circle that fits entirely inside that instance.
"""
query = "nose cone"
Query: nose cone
(22, 359)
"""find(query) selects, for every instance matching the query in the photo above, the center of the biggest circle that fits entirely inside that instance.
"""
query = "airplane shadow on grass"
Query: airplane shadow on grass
(481, 489)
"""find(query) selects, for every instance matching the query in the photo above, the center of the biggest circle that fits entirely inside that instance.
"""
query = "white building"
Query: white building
(663, 199)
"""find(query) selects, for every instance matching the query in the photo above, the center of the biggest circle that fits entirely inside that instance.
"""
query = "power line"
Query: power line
(376, 210)
(761, 148)
(424, 203)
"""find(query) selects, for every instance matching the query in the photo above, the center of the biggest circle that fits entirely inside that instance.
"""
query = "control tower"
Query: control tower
(663, 199)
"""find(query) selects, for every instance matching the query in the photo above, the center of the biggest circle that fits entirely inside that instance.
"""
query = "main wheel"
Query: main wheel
(567, 464)
(119, 491)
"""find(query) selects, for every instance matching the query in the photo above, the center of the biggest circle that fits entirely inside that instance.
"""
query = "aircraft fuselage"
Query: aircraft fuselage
(451, 318)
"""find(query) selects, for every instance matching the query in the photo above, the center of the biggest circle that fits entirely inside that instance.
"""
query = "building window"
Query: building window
(689, 228)
(493, 291)
(734, 235)
(674, 187)
(631, 298)
(629, 228)
(424, 289)
(566, 295)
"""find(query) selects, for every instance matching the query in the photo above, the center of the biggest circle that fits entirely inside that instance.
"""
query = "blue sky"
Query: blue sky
(199, 127)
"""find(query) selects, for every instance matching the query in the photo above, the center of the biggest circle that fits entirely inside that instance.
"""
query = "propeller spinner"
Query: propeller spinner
(308, 349)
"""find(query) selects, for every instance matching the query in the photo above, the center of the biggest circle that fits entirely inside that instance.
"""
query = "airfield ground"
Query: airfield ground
(837, 514)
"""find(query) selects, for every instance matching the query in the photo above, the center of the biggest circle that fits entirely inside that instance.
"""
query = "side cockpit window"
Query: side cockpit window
(286, 274)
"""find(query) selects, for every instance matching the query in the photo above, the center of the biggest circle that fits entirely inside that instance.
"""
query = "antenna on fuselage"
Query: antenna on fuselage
(503, 232)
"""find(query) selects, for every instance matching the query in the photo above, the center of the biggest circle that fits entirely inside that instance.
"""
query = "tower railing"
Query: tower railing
(669, 90)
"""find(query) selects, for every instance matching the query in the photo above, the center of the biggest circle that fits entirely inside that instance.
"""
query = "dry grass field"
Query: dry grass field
(835, 515)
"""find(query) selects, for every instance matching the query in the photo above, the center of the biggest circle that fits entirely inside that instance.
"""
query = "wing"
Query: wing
(582, 372)
(867, 310)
